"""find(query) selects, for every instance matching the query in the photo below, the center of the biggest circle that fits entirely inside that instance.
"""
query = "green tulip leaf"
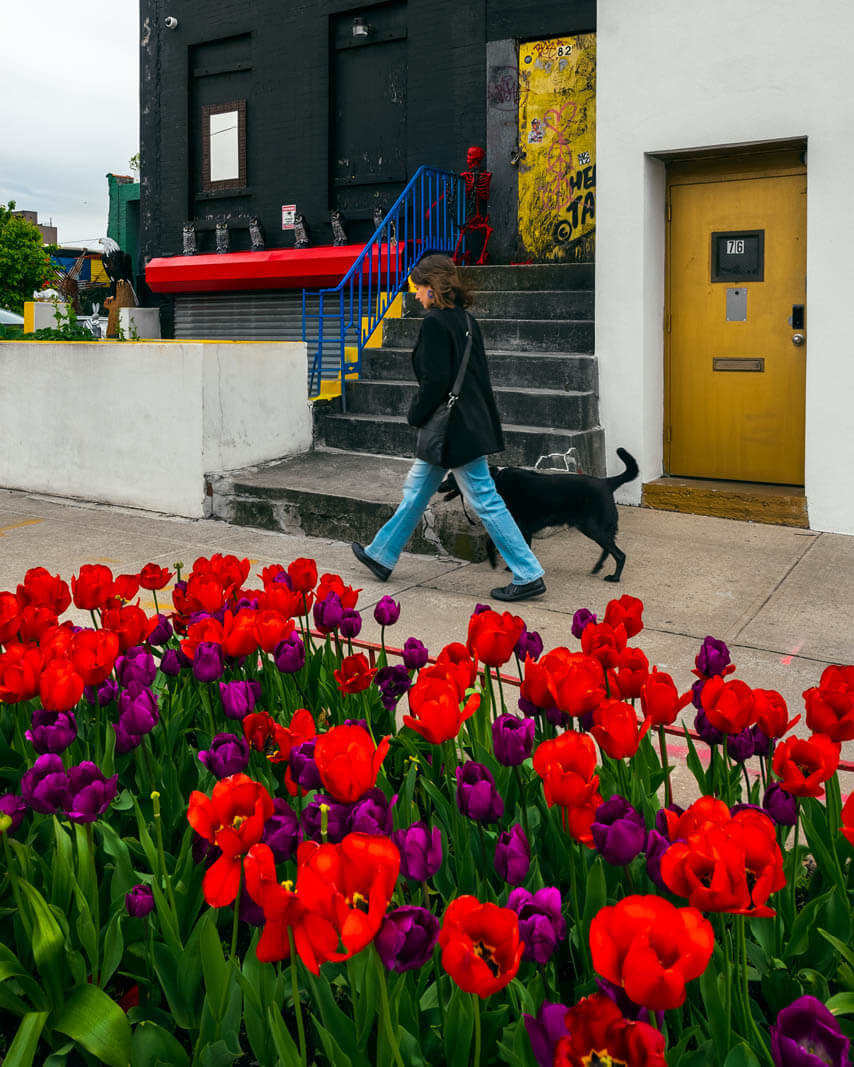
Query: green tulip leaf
(23, 1049)
(152, 1044)
(841, 1004)
(741, 1056)
(97, 1023)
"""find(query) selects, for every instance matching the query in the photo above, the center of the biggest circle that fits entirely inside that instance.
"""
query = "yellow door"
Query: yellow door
(736, 279)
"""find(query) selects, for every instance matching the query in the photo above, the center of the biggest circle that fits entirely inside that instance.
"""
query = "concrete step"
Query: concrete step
(528, 407)
(780, 505)
(342, 495)
(526, 335)
(550, 370)
(391, 435)
(531, 276)
(521, 304)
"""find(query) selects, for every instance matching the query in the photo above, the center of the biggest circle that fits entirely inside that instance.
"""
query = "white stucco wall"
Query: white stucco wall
(140, 424)
(675, 75)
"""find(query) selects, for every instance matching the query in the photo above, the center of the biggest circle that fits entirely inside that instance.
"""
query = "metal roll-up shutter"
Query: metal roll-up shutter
(239, 316)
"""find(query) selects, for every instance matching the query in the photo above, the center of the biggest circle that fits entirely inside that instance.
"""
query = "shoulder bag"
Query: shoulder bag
(430, 442)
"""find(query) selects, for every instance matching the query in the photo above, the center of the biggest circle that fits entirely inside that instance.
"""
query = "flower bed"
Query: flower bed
(228, 832)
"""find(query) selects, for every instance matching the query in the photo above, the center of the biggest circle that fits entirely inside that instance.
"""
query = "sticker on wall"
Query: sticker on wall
(557, 176)
(289, 214)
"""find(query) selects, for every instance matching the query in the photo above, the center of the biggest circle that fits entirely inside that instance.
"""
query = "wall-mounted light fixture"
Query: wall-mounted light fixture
(360, 27)
(170, 22)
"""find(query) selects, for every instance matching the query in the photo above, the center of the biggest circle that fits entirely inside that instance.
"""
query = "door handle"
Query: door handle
(798, 339)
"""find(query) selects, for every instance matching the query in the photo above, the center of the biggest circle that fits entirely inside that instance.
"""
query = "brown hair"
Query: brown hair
(441, 274)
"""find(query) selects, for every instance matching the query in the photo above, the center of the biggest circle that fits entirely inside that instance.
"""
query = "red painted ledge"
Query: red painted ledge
(278, 268)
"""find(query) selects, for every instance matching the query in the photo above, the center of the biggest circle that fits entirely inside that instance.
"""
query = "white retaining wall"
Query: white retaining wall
(141, 424)
(675, 75)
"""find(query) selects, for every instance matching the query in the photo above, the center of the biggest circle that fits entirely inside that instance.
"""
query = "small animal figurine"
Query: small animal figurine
(189, 243)
(339, 235)
(379, 215)
(302, 234)
(256, 234)
(221, 238)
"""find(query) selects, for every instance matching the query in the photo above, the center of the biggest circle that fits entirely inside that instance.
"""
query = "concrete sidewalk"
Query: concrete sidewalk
(782, 599)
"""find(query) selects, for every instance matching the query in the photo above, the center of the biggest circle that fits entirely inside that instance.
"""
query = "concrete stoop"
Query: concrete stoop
(779, 505)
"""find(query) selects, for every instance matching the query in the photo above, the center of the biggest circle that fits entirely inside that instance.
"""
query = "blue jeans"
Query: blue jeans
(480, 493)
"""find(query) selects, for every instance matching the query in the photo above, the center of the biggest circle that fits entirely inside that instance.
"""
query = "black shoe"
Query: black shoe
(377, 569)
(520, 592)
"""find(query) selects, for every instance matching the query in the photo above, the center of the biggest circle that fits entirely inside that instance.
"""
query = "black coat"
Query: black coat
(475, 428)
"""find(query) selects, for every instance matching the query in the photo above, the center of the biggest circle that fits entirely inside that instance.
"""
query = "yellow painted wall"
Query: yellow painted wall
(557, 135)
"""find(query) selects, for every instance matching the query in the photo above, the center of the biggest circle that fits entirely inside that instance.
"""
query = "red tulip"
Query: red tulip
(660, 699)
(332, 583)
(271, 627)
(651, 949)
(10, 617)
(203, 593)
(604, 642)
(566, 765)
(598, 1031)
(481, 949)
(279, 598)
(848, 818)
(615, 727)
(45, 590)
(93, 653)
(232, 818)
(60, 686)
(33, 621)
(238, 633)
(125, 587)
(20, 669)
(632, 672)
(348, 761)
(577, 682)
(354, 674)
(129, 622)
(803, 765)
(437, 708)
(274, 740)
(771, 713)
(92, 587)
(626, 612)
(455, 662)
(729, 706)
(493, 636)
(153, 576)
(57, 641)
(303, 575)
(830, 707)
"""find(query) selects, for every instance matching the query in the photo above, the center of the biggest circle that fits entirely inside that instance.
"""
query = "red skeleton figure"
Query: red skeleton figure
(477, 182)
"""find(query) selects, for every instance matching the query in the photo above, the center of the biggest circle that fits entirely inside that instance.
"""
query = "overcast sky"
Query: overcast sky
(69, 82)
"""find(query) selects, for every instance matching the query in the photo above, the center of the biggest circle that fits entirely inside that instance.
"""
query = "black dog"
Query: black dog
(537, 499)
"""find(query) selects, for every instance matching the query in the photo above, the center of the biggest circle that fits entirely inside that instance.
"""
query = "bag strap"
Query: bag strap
(461, 373)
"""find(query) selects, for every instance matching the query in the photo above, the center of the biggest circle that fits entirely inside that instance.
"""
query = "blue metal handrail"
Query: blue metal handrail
(426, 217)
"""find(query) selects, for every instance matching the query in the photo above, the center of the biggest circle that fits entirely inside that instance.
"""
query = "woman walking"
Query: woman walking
(474, 433)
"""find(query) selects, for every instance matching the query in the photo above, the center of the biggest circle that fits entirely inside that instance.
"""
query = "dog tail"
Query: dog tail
(628, 475)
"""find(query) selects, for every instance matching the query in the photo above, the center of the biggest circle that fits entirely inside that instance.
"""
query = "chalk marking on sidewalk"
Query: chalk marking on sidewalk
(17, 525)
(786, 660)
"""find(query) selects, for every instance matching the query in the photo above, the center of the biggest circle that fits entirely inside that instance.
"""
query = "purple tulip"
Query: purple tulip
(415, 654)
(91, 792)
(479, 609)
(372, 814)
(173, 662)
(407, 938)
(618, 831)
(545, 1031)
(161, 632)
(529, 644)
(513, 855)
(761, 742)
(386, 611)
(656, 845)
(13, 808)
(138, 712)
(807, 1035)
(477, 796)
(780, 805)
(628, 1008)
(740, 746)
(351, 624)
(139, 901)
(392, 683)
(712, 658)
(303, 767)
(420, 851)
(512, 739)
(660, 821)
(45, 787)
(228, 754)
(337, 819)
(541, 924)
(239, 698)
(125, 740)
(580, 621)
(707, 732)
(281, 831)
(250, 912)
(102, 694)
(697, 693)
(328, 613)
(51, 731)
(290, 654)
(136, 665)
(208, 664)
(556, 717)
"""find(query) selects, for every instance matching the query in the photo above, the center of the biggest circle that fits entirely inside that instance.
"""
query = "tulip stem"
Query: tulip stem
(749, 1019)
(477, 1037)
(236, 906)
(161, 855)
(296, 999)
(517, 770)
(386, 1011)
(500, 690)
(662, 746)
(441, 1002)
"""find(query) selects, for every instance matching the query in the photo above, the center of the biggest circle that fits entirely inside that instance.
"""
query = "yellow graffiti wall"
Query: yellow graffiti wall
(557, 138)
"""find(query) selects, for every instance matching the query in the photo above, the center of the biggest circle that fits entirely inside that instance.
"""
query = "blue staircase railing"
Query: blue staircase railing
(426, 217)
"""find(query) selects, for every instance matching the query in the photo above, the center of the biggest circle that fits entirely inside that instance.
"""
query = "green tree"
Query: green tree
(24, 261)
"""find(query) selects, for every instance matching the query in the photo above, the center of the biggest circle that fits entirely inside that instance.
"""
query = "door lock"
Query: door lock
(798, 339)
